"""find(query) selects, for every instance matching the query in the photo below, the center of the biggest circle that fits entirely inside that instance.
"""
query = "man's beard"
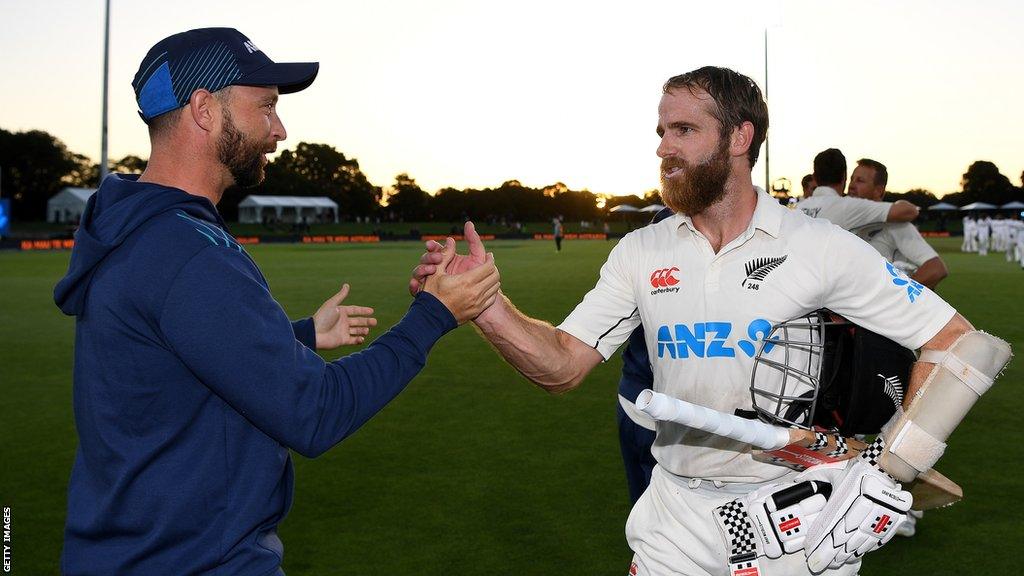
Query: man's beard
(700, 185)
(242, 156)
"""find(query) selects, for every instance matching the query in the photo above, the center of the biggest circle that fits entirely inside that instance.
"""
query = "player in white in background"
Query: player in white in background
(970, 235)
(1019, 250)
(1011, 240)
(996, 239)
(895, 242)
(743, 263)
(848, 213)
(983, 232)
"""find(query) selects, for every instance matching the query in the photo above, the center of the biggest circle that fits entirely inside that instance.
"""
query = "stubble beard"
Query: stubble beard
(700, 185)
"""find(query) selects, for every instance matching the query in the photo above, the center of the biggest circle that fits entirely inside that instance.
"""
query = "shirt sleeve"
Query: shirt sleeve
(305, 332)
(223, 324)
(608, 313)
(910, 243)
(865, 289)
(857, 212)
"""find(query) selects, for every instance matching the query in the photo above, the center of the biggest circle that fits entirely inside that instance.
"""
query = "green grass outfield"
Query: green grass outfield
(472, 470)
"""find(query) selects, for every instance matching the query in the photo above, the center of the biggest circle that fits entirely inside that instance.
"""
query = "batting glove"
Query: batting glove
(770, 521)
(864, 511)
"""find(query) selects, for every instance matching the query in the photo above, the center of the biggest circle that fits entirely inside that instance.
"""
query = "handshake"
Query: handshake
(466, 284)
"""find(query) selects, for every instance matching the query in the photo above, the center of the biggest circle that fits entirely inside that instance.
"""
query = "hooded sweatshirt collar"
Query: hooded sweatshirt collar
(113, 213)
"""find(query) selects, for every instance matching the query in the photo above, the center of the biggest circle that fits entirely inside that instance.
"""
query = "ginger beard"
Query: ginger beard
(241, 155)
(698, 185)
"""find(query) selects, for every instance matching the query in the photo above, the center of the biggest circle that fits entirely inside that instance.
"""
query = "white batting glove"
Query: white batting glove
(862, 514)
(772, 520)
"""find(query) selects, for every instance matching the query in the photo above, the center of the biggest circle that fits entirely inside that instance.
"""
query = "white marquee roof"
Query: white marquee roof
(288, 201)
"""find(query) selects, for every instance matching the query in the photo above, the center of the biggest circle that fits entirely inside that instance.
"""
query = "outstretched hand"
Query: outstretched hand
(431, 259)
(338, 325)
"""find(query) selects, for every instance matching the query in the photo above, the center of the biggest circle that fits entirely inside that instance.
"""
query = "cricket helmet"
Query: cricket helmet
(823, 371)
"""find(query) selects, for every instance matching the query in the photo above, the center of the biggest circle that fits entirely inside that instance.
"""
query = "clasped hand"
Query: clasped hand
(466, 284)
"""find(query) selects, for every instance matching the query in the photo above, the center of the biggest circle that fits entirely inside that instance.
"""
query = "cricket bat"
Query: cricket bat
(794, 448)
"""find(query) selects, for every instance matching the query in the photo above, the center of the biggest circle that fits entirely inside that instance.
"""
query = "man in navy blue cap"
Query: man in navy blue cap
(190, 383)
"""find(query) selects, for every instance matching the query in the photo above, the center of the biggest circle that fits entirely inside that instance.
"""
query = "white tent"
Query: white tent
(652, 208)
(290, 209)
(624, 208)
(979, 206)
(66, 206)
(941, 206)
(1015, 205)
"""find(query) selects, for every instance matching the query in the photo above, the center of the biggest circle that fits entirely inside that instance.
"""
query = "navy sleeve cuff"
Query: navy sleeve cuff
(305, 332)
(429, 319)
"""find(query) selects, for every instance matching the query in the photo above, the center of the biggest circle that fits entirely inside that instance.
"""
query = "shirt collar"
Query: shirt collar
(767, 215)
(824, 191)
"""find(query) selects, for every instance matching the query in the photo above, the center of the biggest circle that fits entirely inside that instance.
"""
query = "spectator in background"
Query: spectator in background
(808, 184)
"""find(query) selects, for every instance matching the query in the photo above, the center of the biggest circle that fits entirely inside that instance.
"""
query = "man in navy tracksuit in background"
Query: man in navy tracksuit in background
(636, 429)
(190, 383)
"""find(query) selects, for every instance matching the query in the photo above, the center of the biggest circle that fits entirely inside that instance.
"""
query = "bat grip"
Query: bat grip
(753, 432)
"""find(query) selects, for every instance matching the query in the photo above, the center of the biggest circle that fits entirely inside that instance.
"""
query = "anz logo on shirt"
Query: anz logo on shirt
(900, 279)
(711, 340)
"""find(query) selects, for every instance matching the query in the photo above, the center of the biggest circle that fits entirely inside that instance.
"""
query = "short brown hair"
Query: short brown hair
(737, 100)
(829, 167)
(160, 125)
(881, 174)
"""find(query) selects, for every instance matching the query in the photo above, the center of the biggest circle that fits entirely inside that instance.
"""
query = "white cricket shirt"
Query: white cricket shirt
(704, 314)
(847, 212)
(898, 242)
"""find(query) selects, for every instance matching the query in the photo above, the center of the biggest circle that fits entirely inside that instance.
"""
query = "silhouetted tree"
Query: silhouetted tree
(314, 170)
(129, 165)
(407, 200)
(918, 196)
(36, 166)
(984, 183)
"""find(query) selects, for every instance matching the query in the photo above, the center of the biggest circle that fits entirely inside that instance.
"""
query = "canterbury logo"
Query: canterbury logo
(759, 268)
(893, 388)
(663, 278)
(251, 47)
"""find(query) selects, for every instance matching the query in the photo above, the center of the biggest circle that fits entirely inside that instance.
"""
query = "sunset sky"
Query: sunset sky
(470, 94)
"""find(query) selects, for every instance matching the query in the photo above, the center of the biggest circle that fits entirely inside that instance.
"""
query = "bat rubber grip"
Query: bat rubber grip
(753, 432)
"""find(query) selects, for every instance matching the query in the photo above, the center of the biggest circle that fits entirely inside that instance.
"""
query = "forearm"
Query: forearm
(538, 350)
(931, 273)
(957, 327)
(902, 211)
(355, 387)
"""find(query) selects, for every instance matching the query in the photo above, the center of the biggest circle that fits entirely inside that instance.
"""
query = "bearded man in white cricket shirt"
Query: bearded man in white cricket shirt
(744, 264)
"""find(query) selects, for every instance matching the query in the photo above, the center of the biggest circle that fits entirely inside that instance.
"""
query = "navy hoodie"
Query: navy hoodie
(191, 385)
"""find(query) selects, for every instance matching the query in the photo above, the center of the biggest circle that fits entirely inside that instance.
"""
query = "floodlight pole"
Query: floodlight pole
(106, 67)
(767, 163)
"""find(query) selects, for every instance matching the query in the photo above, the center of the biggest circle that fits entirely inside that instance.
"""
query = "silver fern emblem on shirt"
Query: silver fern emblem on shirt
(893, 388)
(758, 269)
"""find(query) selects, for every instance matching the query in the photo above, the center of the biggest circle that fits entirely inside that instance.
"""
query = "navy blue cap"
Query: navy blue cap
(210, 58)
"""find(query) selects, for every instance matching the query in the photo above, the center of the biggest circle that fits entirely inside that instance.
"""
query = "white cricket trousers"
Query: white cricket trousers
(672, 531)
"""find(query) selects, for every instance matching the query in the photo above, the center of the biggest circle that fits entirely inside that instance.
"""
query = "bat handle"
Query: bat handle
(753, 432)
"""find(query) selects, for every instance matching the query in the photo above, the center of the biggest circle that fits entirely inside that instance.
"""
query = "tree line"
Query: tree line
(35, 165)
